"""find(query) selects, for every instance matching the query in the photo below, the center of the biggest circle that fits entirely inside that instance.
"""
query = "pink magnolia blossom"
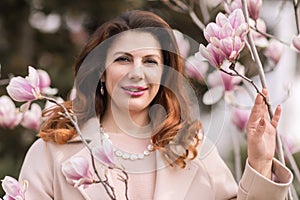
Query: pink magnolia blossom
(253, 6)
(183, 43)
(226, 38)
(240, 118)
(31, 87)
(13, 189)
(105, 153)
(32, 118)
(296, 42)
(274, 50)
(196, 68)
(25, 89)
(77, 172)
(10, 117)
(233, 25)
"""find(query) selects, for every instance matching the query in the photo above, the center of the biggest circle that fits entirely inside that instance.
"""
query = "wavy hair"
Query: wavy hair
(176, 135)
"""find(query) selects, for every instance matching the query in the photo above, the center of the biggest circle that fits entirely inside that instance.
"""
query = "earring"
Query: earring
(102, 88)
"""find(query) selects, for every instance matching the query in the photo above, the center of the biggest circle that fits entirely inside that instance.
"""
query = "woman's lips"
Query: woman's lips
(135, 91)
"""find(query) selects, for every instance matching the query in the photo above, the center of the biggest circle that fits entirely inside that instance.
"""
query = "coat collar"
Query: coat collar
(171, 182)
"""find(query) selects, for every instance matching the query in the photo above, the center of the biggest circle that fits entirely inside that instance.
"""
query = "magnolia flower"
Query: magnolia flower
(13, 189)
(240, 118)
(25, 89)
(274, 50)
(77, 172)
(105, 153)
(226, 38)
(30, 88)
(10, 117)
(195, 67)
(296, 42)
(183, 43)
(32, 118)
(253, 6)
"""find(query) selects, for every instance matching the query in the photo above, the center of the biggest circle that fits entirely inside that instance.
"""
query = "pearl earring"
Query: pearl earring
(102, 88)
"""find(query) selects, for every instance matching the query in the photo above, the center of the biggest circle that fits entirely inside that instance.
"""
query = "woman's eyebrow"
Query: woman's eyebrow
(122, 53)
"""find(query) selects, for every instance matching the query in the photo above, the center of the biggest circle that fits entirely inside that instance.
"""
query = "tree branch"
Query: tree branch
(296, 4)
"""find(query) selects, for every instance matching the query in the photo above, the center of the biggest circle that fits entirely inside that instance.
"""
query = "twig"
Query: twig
(204, 10)
(173, 7)
(196, 20)
(269, 36)
(236, 73)
(181, 6)
(296, 4)
(4, 81)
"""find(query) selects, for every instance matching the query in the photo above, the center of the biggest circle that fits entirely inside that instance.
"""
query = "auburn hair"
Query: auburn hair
(176, 135)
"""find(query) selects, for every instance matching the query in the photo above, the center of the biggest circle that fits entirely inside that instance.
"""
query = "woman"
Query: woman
(129, 80)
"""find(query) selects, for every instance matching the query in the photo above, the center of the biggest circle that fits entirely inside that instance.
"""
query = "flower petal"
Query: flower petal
(20, 90)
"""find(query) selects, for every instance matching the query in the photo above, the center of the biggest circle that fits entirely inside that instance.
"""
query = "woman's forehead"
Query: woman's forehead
(132, 41)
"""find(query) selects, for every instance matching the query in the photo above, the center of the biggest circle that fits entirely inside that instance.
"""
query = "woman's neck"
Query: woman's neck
(120, 121)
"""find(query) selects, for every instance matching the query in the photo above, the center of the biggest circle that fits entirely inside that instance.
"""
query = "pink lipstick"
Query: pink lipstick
(135, 91)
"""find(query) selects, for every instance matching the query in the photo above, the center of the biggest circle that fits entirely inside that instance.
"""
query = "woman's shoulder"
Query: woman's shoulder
(51, 150)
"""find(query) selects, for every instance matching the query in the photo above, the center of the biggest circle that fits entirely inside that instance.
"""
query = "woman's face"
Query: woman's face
(134, 67)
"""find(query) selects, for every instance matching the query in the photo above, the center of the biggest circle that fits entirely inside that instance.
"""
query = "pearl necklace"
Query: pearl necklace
(126, 155)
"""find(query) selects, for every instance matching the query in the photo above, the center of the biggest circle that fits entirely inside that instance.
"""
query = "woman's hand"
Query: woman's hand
(262, 136)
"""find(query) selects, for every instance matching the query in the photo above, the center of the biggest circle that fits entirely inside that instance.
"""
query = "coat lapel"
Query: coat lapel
(173, 182)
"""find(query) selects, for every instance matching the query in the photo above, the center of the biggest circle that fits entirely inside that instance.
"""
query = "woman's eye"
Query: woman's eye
(122, 59)
(151, 61)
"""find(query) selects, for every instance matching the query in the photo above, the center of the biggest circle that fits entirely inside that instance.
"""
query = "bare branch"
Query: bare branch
(296, 4)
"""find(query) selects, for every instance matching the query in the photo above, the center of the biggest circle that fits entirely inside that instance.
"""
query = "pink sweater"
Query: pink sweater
(141, 183)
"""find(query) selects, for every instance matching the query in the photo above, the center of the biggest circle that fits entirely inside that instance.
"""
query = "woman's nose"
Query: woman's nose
(136, 72)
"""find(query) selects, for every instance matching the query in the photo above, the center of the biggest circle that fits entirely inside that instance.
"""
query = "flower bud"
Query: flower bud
(13, 189)
(10, 117)
(105, 153)
(77, 172)
(32, 118)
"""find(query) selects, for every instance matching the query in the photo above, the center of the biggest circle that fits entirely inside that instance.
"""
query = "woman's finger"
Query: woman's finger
(276, 117)
(256, 112)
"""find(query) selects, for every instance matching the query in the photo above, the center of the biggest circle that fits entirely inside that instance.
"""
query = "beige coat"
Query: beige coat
(205, 178)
